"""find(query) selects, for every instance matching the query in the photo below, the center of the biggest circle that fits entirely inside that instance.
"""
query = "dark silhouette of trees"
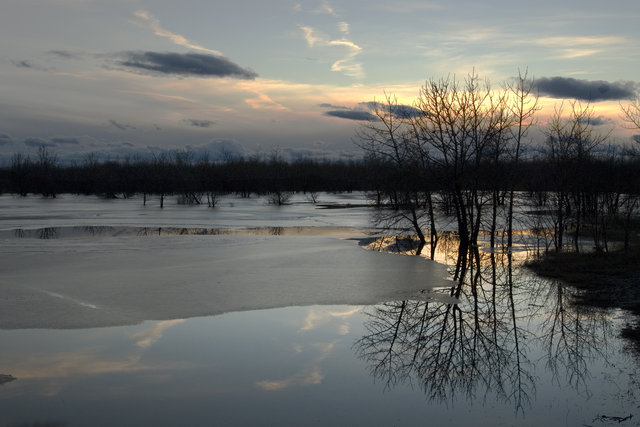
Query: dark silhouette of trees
(631, 115)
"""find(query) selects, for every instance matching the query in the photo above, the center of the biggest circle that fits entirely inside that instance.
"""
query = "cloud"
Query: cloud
(121, 126)
(587, 90)
(335, 107)
(65, 141)
(363, 111)
(398, 110)
(347, 64)
(28, 64)
(38, 142)
(5, 139)
(262, 101)
(312, 37)
(601, 120)
(182, 64)
(351, 114)
(326, 8)
(67, 54)
(199, 123)
(145, 18)
(636, 138)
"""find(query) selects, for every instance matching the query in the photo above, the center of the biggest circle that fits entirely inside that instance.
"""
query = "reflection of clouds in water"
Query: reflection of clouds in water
(311, 374)
(317, 317)
(145, 339)
(68, 364)
(308, 377)
(344, 329)
(325, 349)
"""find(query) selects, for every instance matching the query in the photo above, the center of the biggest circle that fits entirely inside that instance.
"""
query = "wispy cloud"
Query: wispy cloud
(325, 7)
(67, 54)
(146, 19)
(348, 64)
(28, 64)
(121, 126)
(570, 47)
(264, 102)
(161, 96)
(565, 41)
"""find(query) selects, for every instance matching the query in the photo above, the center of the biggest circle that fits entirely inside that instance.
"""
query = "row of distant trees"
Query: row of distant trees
(194, 180)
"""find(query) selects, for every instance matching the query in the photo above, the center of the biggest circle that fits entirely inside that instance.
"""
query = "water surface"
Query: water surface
(240, 325)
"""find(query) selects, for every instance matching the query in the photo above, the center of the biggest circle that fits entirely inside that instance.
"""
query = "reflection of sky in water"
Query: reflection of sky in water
(289, 366)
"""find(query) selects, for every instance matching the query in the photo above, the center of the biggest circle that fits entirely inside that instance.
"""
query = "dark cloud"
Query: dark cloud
(601, 120)
(38, 142)
(67, 54)
(28, 64)
(182, 64)
(587, 90)
(65, 141)
(121, 126)
(199, 123)
(334, 107)
(5, 139)
(351, 114)
(636, 138)
(23, 64)
(398, 110)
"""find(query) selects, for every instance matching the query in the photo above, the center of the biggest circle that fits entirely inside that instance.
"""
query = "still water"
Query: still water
(502, 348)
(319, 365)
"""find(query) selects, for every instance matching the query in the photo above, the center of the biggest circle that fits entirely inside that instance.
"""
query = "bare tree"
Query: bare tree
(570, 143)
(390, 141)
(523, 107)
(462, 125)
(631, 114)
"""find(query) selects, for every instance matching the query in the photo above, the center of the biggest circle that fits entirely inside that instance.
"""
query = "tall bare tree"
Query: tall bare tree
(570, 144)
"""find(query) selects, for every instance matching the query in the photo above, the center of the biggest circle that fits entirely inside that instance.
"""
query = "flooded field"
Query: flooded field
(115, 313)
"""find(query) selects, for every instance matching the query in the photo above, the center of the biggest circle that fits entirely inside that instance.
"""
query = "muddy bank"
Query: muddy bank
(604, 280)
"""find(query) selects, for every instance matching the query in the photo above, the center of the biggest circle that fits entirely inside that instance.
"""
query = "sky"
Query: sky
(121, 78)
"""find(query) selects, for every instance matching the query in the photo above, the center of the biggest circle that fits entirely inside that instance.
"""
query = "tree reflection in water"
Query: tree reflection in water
(486, 344)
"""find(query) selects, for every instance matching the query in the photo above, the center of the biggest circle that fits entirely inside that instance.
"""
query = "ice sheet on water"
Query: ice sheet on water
(67, 210)
(77, 283)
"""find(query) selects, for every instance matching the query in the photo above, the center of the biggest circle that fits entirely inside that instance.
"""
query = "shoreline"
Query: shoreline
(608, 281)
